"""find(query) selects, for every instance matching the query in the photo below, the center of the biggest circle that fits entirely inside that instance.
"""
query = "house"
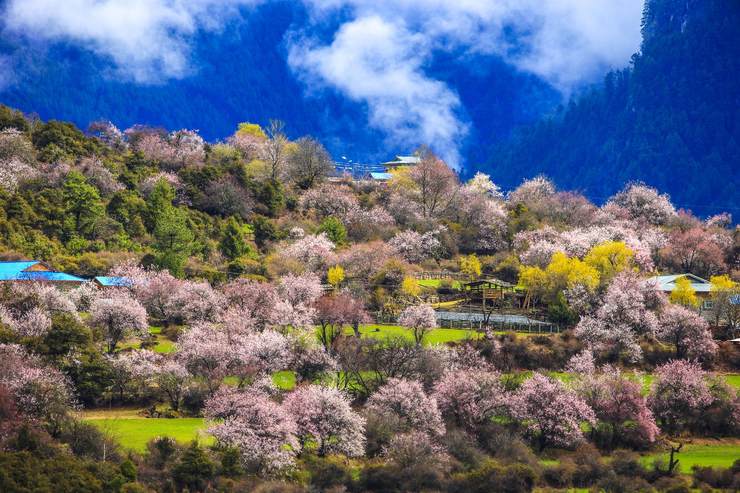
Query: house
(111, 282)
(702, 287)
(401, 161)
(36, 271)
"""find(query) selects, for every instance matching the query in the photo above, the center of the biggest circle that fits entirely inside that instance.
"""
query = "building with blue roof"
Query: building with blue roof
(35, 271)
(112, 281)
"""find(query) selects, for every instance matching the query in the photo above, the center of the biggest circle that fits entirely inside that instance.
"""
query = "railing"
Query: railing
(441, 274)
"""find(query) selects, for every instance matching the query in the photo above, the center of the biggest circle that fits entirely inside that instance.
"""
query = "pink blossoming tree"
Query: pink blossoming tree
(550, 412)
(406, 401)
(325, 417)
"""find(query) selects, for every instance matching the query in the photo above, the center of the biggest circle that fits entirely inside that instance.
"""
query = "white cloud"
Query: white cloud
(147, 40)
(378, 56)
(374, 61)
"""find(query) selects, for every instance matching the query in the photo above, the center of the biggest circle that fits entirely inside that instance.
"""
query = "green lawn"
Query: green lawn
(133, 432)
(720, 454)
(436, 336)
(435, 283)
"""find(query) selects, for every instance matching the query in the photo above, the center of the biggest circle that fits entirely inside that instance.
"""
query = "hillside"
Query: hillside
(671, 120)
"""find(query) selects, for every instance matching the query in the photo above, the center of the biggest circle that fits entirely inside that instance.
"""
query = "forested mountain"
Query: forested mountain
(671, 120)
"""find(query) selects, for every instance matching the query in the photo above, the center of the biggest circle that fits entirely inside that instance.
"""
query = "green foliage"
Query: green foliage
(194, 469)
(334, 229)
(82, 202)
(173, 240)
(233, 243)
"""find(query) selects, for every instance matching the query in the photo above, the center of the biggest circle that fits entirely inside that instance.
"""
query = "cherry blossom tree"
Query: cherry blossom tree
(582, 363)
(688, 331)
(133, 367)
(263, 430)
(34, 323)
(261, 353)
(172, 380)
(435, 185)
(334, 312)
(297, 294)
(679, 394)
(254, 301)
(469, 398)
(310, 359)
(697, 251)
(532, 191)
(315, 252)
(482, 185)
(619, 404)
(406, 401)
(624, 315)
(119, 316)
(157, 290)
(325, 417)
(207, 353)
(41, 393)
(420, 319)
(550, 412)
(645, 204)
(198, 302)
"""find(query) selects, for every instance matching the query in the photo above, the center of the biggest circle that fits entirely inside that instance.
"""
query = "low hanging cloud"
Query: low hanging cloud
(378, 55)
(147, 40)
(380, 63)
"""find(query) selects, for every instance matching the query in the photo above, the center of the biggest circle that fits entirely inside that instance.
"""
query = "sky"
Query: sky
(378, 53)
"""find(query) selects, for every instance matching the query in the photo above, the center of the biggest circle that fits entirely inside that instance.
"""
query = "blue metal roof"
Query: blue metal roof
(113, 281)
(10, 271)
(17, 271)
(49, 276)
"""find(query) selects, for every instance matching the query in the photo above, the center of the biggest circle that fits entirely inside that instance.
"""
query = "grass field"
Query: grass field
(435, 283)
(133, 432)
(717, 453)
(436, 336)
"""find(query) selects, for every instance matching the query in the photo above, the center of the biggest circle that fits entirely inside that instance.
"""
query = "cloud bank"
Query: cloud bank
(147, 40)
(379, 54)
(379, 51)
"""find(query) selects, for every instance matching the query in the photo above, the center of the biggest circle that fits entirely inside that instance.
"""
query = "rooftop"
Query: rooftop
(668, 282)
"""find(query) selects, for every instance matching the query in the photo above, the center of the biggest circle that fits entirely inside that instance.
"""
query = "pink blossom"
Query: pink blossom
(619, 403)
(624, 315)
(34, 323)
(119, 316)
(255, 301)
(198, 302)
(679, 393)
(324, 416)
(532, 191)
(420, 319)
(206, 352)
(41, 392)
(313, 251)
(297, 297)
(264, 431)
(645, 204)
(551, 412)
(688, 331)
(172, 379)
(581, 363)
(406, 401)
(469, 398)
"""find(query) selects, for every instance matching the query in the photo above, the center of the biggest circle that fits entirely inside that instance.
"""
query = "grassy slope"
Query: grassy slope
(133, 432)
(714, 453)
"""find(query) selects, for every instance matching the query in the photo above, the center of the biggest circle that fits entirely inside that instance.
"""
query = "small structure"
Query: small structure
(487, 289)
(36, 271)
(111, 282)
(402, 161)
(702, 287)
